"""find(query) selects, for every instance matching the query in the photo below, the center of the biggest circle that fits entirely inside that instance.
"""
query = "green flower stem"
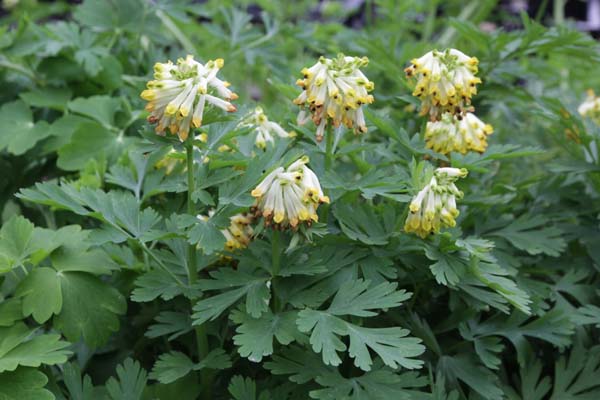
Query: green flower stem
(275, 267)
(206, 377)
(329, 147)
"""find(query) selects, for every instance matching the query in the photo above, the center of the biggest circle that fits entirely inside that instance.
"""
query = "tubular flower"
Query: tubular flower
(239, 233)
(459, 133)
(434, 207)
(446, 81)
(590, 107)
(179, 93)
(288, 197)
(335, 90)
(264, 128)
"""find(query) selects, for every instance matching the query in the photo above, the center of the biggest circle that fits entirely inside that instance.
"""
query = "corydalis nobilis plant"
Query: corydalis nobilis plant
(335, 91)
(434, 207)
(180, 92)
(459, 133)
(288, 197)
(446, 81)
(264, 129)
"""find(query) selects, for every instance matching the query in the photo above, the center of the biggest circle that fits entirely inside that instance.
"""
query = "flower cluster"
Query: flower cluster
(335, 89)
(257, 120)
(590, 107)
(288, 197)
(239, 233)
(434, 206)
(446, 81)
(459, 133)
(179, 93)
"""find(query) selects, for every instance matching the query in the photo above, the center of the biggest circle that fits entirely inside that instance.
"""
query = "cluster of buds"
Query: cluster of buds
(458, 133)
(335, 90)
(287, 197)
(239, 233)
(179, 93)
(590, 107)
(434, 206)
(446, 81)
(264, 129)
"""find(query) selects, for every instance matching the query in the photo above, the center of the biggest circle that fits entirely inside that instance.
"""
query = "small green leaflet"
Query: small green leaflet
(18, 132)
(255, 336)
(24, 384)
(241, 282)
(356, 298)
(532, 234)
(175, 365)
(20, 346)
(245, 389)
(131, 383)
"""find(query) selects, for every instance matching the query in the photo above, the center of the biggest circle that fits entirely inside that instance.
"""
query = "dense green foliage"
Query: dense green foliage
(101, 299)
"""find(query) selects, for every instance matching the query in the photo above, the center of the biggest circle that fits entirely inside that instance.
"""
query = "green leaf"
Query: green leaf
(18, 346)
(90, 308)
(530, 233)
(207, 235)
(576, 376)
(254, 287)
(110, 14)
(356, 298)
(154, 284)
(79, 389)
(10, 311)
(353, 298)
(131, 383)
(465, 369)
(41, 292)
(171, 366)
(244, 389)
(21, 242)
(170, 323)
(99, 108)
(89, 139)
(24, 384)
(48, 97)
(18, 132)
(359, 222)
(175, 365)
(120, 210)
(255, 336)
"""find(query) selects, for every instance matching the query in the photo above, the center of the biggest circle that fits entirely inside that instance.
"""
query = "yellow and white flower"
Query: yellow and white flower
(335, 90)
(288, 197)
(446, 81)
(590, 107)
(180, 92)
(264, 129)
(459, 133)
(239, 233)
(434, 207)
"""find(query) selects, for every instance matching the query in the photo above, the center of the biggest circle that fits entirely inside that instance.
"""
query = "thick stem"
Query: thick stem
(275, 267)
(192, 272)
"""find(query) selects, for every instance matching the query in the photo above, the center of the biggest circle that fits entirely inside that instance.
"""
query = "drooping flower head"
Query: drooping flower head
(288, 197)
(264, 129)
(239, 233)
(179, 93)
(459, 133)
(335, 90)
(434, 207)
(446, 81)
(590, 107)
